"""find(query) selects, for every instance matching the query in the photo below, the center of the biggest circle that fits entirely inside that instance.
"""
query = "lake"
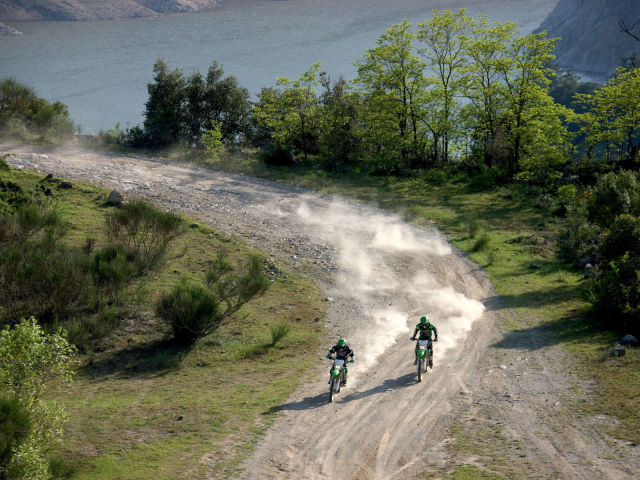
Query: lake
(101, 69)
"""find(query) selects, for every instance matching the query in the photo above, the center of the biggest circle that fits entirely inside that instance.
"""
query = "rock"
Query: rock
(115, 198)
(583, 262)
(534, 266)
(47, 178)
(508, 395)
(503, 367)
(629, 340)
(180, 417)
(194, 225)
(48, 192)
(618, 351)
(588, 271)
(6, 30)
(66, 185)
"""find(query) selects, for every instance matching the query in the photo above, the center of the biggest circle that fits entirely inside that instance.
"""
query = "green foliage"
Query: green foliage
(567, 194)
(614, 194)
(577, 239)
(15, 426)
(212, 138)
(3, 162)
(278, 332)
(612, 116)
(145, 230)
(32, 364)
(193, 311)
(473, 226)
(482, 242)
(23, 113)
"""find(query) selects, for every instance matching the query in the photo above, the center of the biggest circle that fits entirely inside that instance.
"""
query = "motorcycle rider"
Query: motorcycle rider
(342, 351)
(426, 328)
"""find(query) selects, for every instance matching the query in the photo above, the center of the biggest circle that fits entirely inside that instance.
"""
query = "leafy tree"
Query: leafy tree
(446, 36)
(212, 138)
(32, 363)
(391, 80)
(340, 135)
(613, 115)
(615, 194)
(195, 108)
(291, 115)
(225, 101)
(164, 113)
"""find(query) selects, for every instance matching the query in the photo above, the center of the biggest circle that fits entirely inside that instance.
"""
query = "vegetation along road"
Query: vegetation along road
(498, 403)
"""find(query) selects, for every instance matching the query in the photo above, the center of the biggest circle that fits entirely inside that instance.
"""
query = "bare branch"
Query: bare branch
(627, 28)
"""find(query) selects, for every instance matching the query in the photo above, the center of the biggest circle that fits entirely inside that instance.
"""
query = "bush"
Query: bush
(578, 239)
(473, 226)
(482, 243)
(15, 426)
(192, 311)
(613, 195)
(144, 230)
(615, 290)
(32, 364)
(278, 332)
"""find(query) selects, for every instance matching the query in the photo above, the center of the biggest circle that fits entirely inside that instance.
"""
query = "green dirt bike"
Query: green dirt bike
(336, 377)
(424, 359)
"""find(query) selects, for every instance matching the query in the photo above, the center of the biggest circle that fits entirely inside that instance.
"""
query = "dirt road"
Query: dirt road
(497, 400)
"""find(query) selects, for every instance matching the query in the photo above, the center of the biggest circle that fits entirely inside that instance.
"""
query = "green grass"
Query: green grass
(143, 408)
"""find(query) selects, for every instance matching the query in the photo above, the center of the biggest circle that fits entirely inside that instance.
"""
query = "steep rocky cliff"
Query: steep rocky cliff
(591, 38)
(96, 9)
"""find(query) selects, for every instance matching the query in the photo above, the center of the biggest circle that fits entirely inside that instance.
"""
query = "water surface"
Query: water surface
(101, 69)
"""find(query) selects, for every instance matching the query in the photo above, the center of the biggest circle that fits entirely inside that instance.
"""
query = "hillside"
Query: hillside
(11, 10)
(591, 38)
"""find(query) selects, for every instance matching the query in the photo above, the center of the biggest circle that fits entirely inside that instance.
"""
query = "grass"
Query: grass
(140, 404)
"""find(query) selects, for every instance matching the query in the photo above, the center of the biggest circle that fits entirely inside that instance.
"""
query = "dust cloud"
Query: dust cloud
(375, 267)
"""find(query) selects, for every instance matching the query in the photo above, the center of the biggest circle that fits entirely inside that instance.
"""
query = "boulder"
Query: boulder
(115, 198)
(588, 271)
(534, 266)
(618, 351)
(47, 178)
(584, 261)
(66, 185)
(629, 340)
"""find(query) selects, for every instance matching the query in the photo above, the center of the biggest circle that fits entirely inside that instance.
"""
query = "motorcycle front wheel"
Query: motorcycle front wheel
(332, 392)
(420, 369)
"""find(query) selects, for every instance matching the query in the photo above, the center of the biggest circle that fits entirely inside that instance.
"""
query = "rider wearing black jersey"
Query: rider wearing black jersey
(342, 351)
(426, 329)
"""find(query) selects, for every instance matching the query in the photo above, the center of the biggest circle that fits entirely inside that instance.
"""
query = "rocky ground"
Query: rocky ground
(6, 30)
(502, 396)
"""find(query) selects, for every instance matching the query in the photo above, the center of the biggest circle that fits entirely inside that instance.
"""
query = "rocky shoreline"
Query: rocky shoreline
(7, 31)
(84, 10)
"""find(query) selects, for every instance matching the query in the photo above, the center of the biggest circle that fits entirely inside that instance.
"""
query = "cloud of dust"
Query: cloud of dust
(371, 247)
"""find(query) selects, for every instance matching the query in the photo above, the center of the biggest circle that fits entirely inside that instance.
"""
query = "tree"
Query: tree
(195, 116)
(446, 36)
(226, 102)
(612, 115)
(391, 80)
(164, 113)
(33, 363)
(340, 129)
(291, 115)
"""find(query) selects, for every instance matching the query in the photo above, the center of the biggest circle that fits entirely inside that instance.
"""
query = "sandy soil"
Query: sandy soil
(380, 274)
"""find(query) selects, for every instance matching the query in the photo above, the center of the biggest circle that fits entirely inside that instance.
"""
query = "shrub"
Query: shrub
(145, 230)
(578, 239)
(193, 311)
(615, 290)
(3, 162)
(613, 195)
(31, 365)
(482, 243)
(278, 332)
(15, 426)
(473, 226)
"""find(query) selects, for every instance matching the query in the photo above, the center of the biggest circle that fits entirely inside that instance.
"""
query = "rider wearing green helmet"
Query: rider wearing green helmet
(342, 351)
(426, 329)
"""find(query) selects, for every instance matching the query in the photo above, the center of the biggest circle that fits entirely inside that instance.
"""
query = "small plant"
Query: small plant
(3, 162)
(491, 257)
(279, 332)
(212, 138)
(482, 242)
(473, 226)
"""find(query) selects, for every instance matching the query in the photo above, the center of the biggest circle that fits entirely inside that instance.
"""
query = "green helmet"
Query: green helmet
(342, 342)
(424, 321)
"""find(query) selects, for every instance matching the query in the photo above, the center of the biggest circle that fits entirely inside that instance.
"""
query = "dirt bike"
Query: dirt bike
(336, 377)
(422, 354)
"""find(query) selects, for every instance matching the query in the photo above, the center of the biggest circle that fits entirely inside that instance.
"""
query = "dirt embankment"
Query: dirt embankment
(500, 399)
(11, 10)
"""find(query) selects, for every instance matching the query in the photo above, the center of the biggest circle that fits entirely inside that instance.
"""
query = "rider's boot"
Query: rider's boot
(415, 362)
(344, 381)
(431, 361)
